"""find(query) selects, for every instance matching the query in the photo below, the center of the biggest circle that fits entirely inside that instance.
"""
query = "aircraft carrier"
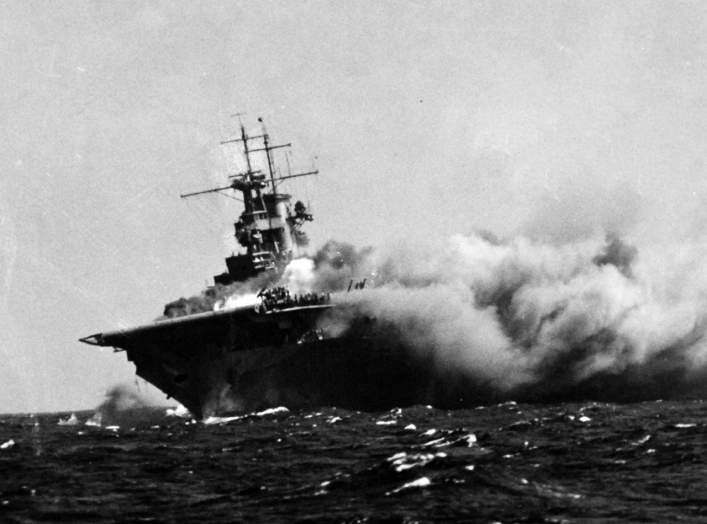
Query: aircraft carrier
(279, 349)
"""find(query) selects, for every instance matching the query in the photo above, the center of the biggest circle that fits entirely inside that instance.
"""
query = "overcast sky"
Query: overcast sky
(556, 120)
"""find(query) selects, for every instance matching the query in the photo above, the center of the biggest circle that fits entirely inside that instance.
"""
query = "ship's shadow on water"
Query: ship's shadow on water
(502, 462)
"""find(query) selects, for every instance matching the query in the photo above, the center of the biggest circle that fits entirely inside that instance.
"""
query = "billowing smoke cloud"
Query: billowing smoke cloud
(126, 406)
(525, 319)
(591, 318)
(337, 263)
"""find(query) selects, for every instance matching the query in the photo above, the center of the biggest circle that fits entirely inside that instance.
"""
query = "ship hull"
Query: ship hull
(248, 360)
(242, 360)
(353, 373)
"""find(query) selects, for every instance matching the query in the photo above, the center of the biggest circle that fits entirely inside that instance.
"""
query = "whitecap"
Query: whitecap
(469, 440)
(69, 421)
(274, 411)
(641, 440)
(209, 421)
(684, 425)
(94, 421)
(7, 445)
(178, 411)
(520, 424)
(422, 482)
(225, 420)
(411, 461)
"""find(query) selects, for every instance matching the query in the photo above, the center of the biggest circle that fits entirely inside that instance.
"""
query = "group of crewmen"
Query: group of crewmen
(280, 297)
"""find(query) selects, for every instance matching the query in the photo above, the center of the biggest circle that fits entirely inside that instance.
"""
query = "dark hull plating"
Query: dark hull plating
(344, 372)
(242, 360)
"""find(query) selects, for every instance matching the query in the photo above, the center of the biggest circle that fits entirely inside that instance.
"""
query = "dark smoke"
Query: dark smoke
(539, 321)
(522, 319)
(125, 406)
(617, 253)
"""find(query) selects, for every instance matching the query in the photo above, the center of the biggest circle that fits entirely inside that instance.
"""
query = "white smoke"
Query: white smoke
(126, 405)
(236, 300)
(299, 275)
(522, 313)
(518, 312)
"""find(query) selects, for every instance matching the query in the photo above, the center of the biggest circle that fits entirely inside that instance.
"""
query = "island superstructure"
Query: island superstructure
(268, 228)
(278, 351)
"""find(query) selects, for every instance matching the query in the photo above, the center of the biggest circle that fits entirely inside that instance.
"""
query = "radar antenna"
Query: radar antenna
(268, 228)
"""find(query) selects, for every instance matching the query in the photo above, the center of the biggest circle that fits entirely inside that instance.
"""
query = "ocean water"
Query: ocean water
(590, 462)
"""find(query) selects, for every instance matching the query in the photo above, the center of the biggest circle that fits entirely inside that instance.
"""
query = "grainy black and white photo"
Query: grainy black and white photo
(375, 261)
